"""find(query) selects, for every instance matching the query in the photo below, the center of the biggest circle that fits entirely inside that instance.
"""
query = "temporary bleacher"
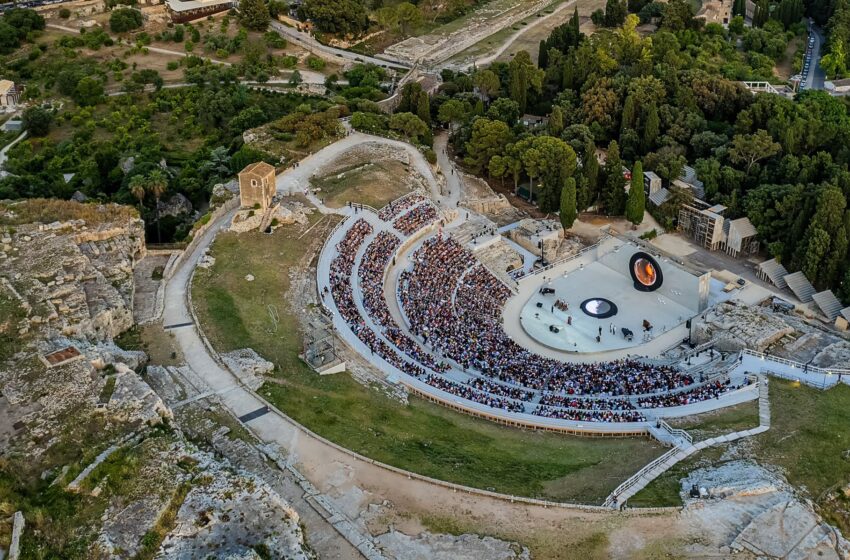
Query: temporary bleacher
(773, 272)
(801, 286)
(828, 304)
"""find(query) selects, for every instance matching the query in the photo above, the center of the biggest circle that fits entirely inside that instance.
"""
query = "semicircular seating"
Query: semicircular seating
(453, 306)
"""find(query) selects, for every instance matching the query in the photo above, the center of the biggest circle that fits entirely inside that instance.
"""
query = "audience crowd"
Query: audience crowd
(416, 219)
(589, 416)
(454, 304)
(396, 207)
(702, 393)
(340, 280)
(371, 274)
(469, 331)
(470, 394)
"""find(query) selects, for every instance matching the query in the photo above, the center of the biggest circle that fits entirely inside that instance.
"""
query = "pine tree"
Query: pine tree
(568, 203)
(636, 203)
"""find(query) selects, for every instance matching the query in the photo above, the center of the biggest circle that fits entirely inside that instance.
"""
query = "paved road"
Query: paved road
(816, 76)
(5, 151)
(310, 43)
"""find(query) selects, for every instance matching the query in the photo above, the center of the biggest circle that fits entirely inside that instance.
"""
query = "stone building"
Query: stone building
(257, 185)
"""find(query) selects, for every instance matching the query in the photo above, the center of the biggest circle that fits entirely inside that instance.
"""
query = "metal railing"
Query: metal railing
(563, 260)
(675, 432)
(630, 482)
(805, 368)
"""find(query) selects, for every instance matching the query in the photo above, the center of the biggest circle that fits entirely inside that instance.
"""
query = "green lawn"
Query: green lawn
(733, 419)
(809, 440)
(375, 185)
(421, 436)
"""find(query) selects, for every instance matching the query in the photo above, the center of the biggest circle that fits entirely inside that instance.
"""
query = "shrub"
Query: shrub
(315, 63)
(125, 19)
(64, 13)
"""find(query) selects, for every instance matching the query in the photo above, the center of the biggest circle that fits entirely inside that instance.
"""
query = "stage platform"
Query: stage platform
(604, 275)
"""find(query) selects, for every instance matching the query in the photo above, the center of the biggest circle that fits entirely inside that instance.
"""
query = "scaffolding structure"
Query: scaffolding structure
(320, 346)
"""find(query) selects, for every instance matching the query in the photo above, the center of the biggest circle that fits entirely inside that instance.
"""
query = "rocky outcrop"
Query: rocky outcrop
(76, 277)
(740, 326)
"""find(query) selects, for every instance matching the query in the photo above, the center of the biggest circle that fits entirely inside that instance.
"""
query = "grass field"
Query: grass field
(809, 440)
(711, 424)
(374, 184)
(421, 436)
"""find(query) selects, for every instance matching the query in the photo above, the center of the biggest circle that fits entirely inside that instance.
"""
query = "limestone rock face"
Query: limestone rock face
(248, 365)
(134, 401)
(753, 511)
(429, 546)
(229, 515)
(175, 206)
(76, 278)
(738, 326)
(834, 355)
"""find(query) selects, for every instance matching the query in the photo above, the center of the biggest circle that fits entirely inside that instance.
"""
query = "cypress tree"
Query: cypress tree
(568, 203)
(651, 128)
(423, 108)
(614, 195)
(636, 204)
(543, 55)
(591, 172)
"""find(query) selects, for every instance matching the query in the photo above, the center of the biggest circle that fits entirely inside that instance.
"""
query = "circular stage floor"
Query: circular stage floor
(570, 328)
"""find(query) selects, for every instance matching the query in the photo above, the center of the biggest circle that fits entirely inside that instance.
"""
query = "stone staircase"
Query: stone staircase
(683, 447)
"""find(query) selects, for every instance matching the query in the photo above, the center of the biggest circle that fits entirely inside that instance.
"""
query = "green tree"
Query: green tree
(138, 188)
(408, 16)
(89, 91)
(157, 183)
(614, 193)
(505, 110)
(523, 76)
(556, 121)
(122, 20)
(411, 126)
(454, 112)
(568, 212)
(750, 148)
(533, 163)
(423, 108)
(254, 14)
(636, 203)
(488, 139)
(37, 120)
(629, 113)
(590, 170)
(615, 13)
(678, 15)
(487, 83)
(343, 17)
(651, 128)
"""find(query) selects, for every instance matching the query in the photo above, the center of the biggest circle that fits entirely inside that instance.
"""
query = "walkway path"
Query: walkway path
(296, 180)
(4, 153)
(485, 60)
(310, 43)
(685, 449)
